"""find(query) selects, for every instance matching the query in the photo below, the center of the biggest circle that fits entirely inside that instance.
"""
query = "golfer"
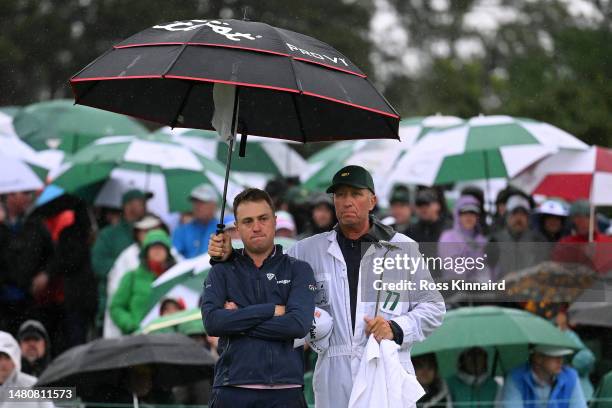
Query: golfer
(338, 261)
(258, 302)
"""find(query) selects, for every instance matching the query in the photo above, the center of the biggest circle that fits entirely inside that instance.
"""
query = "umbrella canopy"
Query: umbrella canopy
(594, 306)
(292, 86)
(508, 331)
(104, 170)
(21, 169)
(484, 147)
(267, 158)
(177, 360)
(186, 322)
(19, 175)
(6, 121)
(184, 280)
(571, 175)
(237, 77)
(60, 123)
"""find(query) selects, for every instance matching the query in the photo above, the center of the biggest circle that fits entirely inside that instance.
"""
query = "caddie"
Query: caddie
(342, 261)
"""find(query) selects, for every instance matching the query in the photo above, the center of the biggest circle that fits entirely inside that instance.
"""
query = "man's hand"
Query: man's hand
(279, 310)
(230, 306)
(379, 327)
(220, 246)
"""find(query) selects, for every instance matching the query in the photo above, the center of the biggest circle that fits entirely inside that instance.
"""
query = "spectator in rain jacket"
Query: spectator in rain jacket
(543, 382)
(35, 347)
(472, 386)
(12, 376)
(465, 239)
(427, 373)
(515, 247)
(113, 239)
(129, 305)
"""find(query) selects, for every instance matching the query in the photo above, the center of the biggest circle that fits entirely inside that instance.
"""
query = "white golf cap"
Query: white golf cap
(147, 222)
(553, 207)
(284, 220)
(517, 201)
(205, 193)
(553, 351)
(320, 332)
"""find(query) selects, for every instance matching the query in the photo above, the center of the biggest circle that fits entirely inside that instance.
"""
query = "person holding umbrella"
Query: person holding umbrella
(337, 259)
(258, 303)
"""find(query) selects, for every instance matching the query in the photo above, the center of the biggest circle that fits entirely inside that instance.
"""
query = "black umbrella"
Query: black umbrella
(283, 84)
(176, 359)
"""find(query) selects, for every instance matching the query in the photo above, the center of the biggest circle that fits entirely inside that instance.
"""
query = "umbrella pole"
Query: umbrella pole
(228, 165)
(591, 222)
(135, 400)
(487, 200)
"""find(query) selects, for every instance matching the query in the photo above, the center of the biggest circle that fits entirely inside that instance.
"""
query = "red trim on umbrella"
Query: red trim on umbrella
(242, 48)
(566, 185)
(603, 159)
(276, 88)
(240, 84)
(351, 104)
(121, 77)
(330, 66)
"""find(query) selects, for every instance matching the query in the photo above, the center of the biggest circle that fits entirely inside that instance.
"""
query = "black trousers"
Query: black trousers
(237, 397)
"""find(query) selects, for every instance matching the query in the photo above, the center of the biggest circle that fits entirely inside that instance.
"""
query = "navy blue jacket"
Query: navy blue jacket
(256, 347)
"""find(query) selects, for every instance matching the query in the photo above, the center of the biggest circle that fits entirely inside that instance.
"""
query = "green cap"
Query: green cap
(133, 195)
(156, 236)
(580, 207)
(354, 176)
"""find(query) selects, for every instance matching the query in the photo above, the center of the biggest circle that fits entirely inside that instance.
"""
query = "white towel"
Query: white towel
(382, 381)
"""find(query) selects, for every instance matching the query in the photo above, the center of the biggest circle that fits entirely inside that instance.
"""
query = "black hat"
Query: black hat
(426, 196)
(31, 329)
(400, 195)
(354, 176)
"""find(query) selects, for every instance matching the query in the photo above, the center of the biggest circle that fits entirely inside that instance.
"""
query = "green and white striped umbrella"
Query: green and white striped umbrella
(20, 167)
(104, 170)
(69, 127)
(6, 121)
(186, 322)
(266, 158)
(484, 147)
(378, 156)
(184, 280)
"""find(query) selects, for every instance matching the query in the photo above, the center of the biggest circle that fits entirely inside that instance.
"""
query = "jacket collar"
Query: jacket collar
(276, 252)
(377, 232)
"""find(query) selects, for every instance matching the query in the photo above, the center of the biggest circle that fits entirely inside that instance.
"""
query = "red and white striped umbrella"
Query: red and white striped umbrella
(571, 175)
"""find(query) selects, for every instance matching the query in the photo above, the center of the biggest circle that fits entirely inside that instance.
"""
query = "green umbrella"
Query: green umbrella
(61, 123)
(505, 333)
(104, 170)
(483, 147)
(603, 395)
(266, 159)
(378, 156)
(186, 322)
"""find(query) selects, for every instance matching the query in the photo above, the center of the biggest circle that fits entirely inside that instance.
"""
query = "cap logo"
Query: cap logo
(344, 174)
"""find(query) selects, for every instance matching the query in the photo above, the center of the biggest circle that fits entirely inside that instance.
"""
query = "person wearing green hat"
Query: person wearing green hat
(400, 208)
(339, 264)
(113, 239)
(130, 302)
(544, 381)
